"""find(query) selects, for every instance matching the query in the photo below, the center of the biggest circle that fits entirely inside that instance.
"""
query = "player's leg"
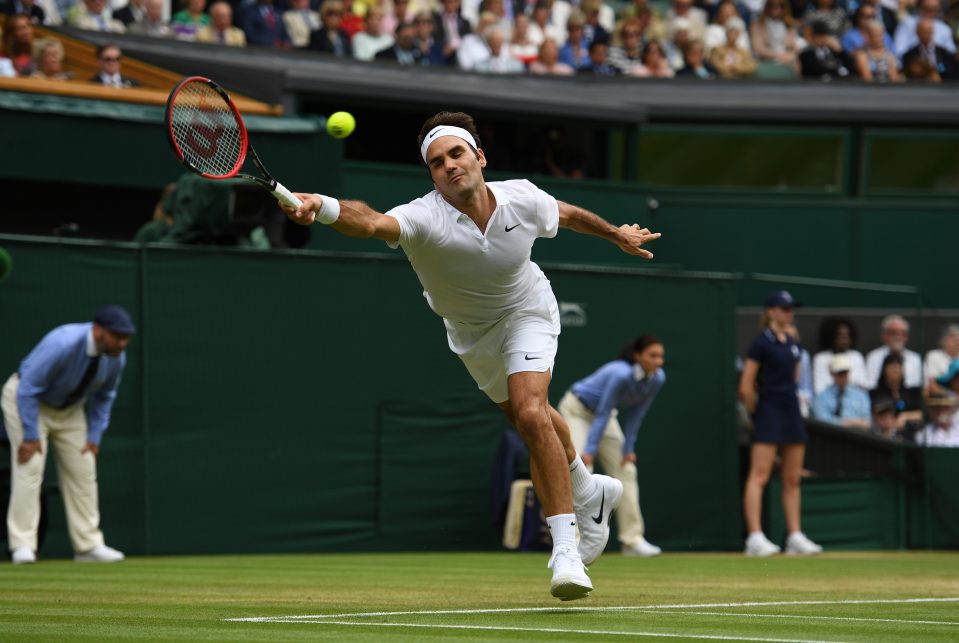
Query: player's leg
(23, 513)
(549, 467)
(762, 457)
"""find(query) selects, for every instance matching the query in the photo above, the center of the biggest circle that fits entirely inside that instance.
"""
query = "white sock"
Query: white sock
(562, 527)
(756, 534)
(583, 484)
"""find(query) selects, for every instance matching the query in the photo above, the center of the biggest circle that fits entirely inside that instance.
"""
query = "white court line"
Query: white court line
(822, 618)
(629, 608)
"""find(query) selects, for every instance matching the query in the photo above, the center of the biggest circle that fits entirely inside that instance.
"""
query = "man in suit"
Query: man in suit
(939, 57)
(221, 29)
(450, 27)
(330, 38)
(403, 50)
(264, 26)
(134, 11)
(27, 7)
(109, 73)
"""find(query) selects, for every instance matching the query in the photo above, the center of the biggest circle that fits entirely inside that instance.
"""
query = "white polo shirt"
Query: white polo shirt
(471, 278)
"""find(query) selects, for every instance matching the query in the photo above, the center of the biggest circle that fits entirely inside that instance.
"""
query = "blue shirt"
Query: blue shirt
(855, 405)
(777, 363)
(613, 386)
(54, 368)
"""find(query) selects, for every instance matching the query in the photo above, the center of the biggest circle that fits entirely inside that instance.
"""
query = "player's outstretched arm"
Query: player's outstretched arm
(629, 238)
(354, 219)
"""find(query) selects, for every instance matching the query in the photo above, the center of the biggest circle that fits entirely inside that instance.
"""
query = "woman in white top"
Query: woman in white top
(837, 335)
(938, 359)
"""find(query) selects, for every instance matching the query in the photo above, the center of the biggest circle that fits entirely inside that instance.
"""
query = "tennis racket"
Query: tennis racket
(208, 136)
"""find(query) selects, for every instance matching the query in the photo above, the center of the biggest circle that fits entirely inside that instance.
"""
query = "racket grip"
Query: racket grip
(286, 196)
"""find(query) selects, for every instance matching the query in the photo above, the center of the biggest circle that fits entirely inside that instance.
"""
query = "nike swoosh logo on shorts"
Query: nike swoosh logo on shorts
(509, 228)
(599, 519)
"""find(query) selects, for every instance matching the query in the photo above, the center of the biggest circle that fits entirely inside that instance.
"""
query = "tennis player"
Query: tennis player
(469, 242)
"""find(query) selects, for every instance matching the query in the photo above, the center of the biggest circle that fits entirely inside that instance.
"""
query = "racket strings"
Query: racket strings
(206, 130)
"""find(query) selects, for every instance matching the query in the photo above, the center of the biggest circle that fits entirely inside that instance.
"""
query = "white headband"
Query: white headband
(445, 130)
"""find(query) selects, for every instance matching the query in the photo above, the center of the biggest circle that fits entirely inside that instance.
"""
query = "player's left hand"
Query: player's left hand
(632, 238)
(92, 448)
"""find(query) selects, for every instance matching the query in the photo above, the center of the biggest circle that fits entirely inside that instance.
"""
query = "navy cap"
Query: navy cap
(951, 373)
(781, 299)
(115, 319)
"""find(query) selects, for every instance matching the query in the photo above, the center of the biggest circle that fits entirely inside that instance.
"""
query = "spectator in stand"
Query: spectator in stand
(162, 222)
(330, 38)
(541, 28)
(430, 49)
(949, 381)
(559, 14)
(403, 50)
(352, 23)
(767, 388)
(474, 49)
(908, 399)
(521, 46)
(833, 18)
(450, 28)
(49, 60)
(593, 27)
(93, 15)
(841, 402)
(916, 69)
(654, 62)
(18, 43)
(684, 9)
(907, 35)
(716, 32)
(193, 17)
(694, 62)
(729, 59)
(132, 11)
(824, 58)
(855, 38)
(263, 25)
(109, 68)
(151, 23)
(939, 58)
(884, 419)
(599, 61)
(301, 21)
(548, 63)
(673, 48)
(366, 43)
(938, 360)
(499, 60)
(627, 54)
(874, 62)
(942, 429)
(775, 37)
(804, 380)
(503, 19)
(400, 14)
(221, 29)
(28, 8)
(894, 334)
(837, 336)
(575, 52)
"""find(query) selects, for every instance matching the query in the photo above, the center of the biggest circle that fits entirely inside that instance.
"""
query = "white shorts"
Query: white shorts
(524, 341)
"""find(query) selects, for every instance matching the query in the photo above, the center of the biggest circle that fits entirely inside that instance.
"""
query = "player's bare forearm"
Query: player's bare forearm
(356, 218)
(629, 238)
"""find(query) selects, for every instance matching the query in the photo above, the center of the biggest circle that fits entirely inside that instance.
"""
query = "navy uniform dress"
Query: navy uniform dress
(777, 419)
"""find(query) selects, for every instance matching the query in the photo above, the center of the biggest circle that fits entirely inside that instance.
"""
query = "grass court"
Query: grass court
(846, 596)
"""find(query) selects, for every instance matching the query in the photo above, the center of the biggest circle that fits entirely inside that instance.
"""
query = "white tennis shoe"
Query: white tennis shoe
(758, 545)
(569, 575)
(23, 555)
(799, 545)
(641, 547)
(100, 554)
(592, 517)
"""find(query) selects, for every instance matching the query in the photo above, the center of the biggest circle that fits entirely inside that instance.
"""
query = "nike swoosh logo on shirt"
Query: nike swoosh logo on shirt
(509, 228)
(599, 519)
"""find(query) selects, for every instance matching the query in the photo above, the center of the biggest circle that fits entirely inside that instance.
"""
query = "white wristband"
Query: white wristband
(329, 210)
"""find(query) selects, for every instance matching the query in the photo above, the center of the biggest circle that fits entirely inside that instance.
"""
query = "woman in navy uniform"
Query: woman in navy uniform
(767, 388)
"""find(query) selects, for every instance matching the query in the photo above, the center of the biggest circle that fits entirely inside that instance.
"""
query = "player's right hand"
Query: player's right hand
(26, 450)
(306, 213)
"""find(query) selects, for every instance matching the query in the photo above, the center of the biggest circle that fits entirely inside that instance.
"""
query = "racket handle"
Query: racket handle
(286, 196)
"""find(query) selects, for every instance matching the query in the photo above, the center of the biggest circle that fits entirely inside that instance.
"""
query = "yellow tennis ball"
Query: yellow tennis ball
(340, 124)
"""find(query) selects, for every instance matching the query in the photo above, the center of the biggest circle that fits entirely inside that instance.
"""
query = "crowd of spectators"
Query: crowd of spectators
(887, 390)
(872, 40)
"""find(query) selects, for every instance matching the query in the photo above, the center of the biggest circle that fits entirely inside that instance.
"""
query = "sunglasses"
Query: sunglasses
(110, 59)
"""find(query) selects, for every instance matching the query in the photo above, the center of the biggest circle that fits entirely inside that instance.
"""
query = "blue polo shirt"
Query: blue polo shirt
(777, 363)
(618, 384)
(54, 368)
